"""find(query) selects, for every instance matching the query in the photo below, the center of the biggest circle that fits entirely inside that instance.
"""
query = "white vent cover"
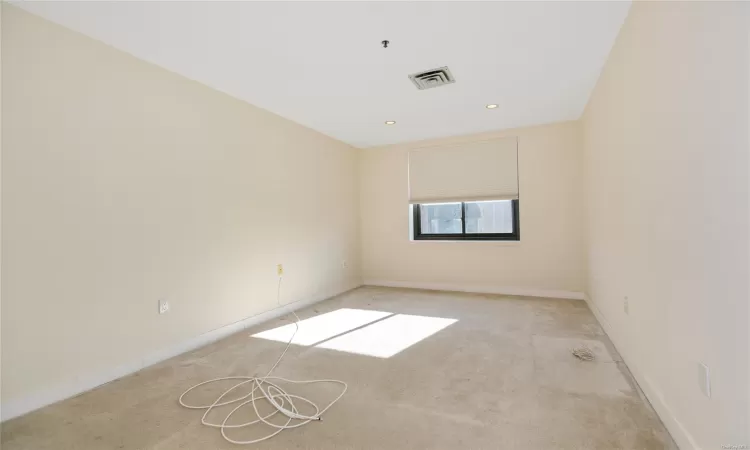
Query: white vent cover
(432, 78)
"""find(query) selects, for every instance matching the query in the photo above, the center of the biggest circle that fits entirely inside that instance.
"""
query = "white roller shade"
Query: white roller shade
(486, 170)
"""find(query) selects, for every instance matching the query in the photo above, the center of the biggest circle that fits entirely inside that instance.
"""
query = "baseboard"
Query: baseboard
(502, 290)
(681, 436)
(85, 383)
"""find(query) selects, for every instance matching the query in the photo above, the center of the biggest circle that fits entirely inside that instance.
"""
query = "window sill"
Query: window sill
(466, 241)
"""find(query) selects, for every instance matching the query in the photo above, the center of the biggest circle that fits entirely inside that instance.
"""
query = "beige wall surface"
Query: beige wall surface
(666, 169)
(550, 255)
(1, 152)
(123, 183)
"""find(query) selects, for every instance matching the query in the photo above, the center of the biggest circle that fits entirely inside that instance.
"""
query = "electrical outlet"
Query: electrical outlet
(163, 306)
(704, 379)
(344, 264)
(626, 305)
(279, 269)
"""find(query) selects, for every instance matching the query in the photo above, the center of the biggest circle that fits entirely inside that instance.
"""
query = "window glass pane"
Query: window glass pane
(440, 218)
(489, 217)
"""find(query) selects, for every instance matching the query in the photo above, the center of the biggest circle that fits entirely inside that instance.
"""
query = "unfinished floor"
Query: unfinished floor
(500, 377)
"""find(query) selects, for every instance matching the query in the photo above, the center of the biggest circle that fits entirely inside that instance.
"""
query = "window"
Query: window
(487, 220)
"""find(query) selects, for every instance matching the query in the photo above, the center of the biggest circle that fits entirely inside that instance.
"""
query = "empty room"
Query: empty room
(375, 225)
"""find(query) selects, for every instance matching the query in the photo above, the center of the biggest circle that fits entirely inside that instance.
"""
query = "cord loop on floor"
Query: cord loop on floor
(268, 391)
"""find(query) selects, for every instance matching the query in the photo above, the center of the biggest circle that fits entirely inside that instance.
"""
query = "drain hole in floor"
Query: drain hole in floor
(583, 353)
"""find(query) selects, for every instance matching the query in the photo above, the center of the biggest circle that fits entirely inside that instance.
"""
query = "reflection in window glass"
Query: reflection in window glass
(489, 217)
(440, 218)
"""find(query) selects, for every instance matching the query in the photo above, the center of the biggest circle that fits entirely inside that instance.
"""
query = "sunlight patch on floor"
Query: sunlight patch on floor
(389, 336)
(322, 327)
(373, 333)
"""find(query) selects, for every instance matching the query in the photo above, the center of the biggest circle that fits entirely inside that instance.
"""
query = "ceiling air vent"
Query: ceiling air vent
(432, 78)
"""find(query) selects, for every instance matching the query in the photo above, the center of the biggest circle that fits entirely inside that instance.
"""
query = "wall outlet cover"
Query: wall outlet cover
(704, 379)
(163, 306)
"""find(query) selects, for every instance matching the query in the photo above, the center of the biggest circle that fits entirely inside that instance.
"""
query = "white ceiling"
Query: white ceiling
(322, 65)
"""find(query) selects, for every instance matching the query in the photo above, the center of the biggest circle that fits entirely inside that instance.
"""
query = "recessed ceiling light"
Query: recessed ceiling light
(491, 106)
(390, 122)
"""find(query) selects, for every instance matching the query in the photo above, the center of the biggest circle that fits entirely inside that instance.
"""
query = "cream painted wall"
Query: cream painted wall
(666, 169)
(123, 183)
(550, 256)
(1, 233)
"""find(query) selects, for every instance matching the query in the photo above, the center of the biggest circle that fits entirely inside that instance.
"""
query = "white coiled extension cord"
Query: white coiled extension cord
(271, 392)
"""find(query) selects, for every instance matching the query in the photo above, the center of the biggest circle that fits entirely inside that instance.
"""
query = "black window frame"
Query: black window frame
(419, 236)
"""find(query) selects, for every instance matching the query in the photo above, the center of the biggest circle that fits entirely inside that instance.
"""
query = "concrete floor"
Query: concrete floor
(500, 377)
